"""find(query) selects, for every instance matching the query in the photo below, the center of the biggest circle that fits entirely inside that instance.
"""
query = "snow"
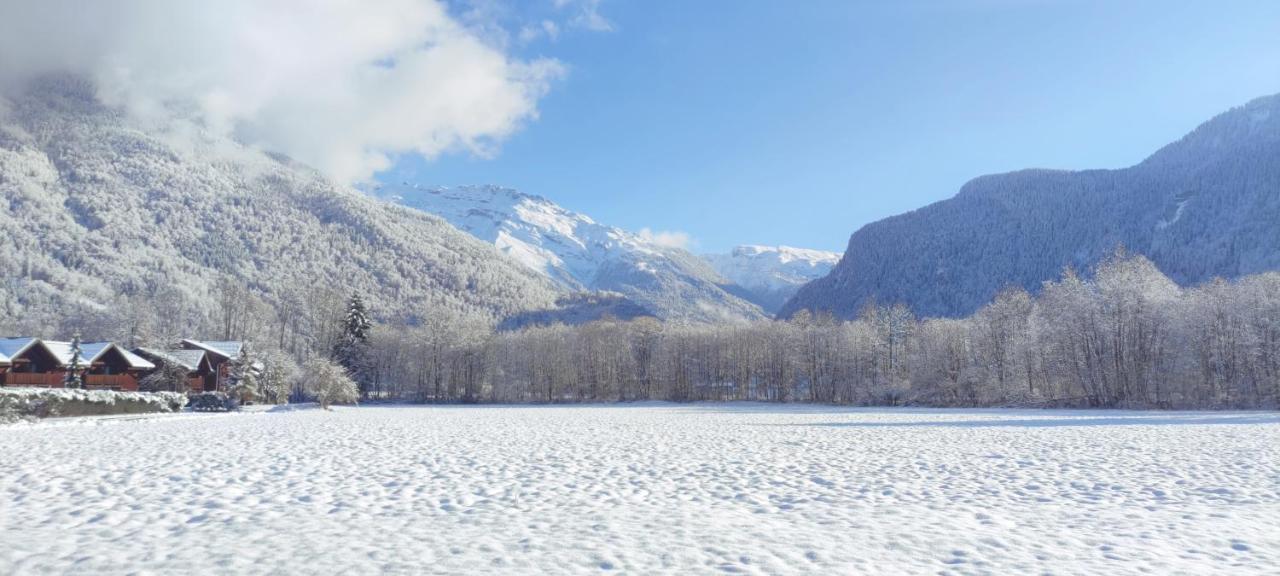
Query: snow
(655, 488)
(773, 267)
(1177, 215)
(226, 349)
(568, 247)
(189, 359)
(773, 273)
(10, 347)
(579, 254)
(61, 350)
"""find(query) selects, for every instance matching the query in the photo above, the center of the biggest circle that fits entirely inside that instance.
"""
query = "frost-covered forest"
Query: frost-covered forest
(1125, 337)
(108, 222)
(1204, 206)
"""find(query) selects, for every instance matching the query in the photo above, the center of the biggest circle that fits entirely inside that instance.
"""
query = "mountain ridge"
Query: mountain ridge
(771, 275)
(580, 254)
(1198, 207)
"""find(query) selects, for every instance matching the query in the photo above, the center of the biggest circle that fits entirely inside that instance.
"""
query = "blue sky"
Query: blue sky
(778, 122)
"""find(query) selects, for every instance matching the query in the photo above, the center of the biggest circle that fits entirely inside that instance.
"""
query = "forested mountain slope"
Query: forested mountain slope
(1205, 206)
(102, 216)
(578, 253)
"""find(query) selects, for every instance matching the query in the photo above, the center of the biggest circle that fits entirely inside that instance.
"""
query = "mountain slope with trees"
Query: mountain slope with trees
(1202, 207)
(144, 230)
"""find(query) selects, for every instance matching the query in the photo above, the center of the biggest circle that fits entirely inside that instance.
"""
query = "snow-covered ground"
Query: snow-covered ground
(644, 489)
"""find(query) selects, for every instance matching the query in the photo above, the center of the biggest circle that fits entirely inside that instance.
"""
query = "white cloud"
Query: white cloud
(666, 238)
(586, 14)
(544, 29)
(341, 84)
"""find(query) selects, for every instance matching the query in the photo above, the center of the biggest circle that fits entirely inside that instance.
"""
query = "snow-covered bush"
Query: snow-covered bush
(242, 378)
(215, 402)
(17, 403)
(278, 374)
(329, 383)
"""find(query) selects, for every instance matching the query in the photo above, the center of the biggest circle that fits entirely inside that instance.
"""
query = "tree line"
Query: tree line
(1124, 337)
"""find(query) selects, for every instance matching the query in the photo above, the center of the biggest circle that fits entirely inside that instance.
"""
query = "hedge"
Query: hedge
(26, 403)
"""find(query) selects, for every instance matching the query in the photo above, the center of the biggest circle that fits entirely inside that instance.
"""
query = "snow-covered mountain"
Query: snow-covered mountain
(770, 275)
(579, 253)
(103, 220)
(1205, 206)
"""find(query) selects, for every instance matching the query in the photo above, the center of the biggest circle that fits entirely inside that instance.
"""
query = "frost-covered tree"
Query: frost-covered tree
(75, 365)
(243, 376)
(352, 349)
(167, 377)
(329, 383)
(277, 376)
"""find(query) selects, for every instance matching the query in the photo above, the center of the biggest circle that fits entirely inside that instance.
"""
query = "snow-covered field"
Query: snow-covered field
(644, 489)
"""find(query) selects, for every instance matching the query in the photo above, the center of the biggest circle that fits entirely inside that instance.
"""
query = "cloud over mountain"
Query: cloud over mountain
(344, 86)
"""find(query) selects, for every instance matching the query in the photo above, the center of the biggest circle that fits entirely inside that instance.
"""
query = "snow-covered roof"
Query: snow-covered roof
(224, 348)
(10, 347)
(61, 351)
(91, 351)
(186, 358)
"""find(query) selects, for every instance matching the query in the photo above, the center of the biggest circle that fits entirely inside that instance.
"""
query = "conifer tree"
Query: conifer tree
(244, 376)
(74, 365)
(352, 348)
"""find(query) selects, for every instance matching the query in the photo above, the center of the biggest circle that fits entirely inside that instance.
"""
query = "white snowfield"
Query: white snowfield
(648, 489)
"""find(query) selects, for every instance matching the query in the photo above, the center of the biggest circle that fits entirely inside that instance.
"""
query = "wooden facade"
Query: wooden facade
(219, 355)
(112, 370)
(45, 364)
(201, 376)
(33, 362)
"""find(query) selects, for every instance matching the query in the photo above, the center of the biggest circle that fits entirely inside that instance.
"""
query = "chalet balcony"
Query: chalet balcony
(40, 379)
(110, 381)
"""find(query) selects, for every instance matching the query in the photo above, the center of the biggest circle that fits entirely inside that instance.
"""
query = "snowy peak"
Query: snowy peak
(536, 232)
(772, 274)
(786, 255)
(579, 253)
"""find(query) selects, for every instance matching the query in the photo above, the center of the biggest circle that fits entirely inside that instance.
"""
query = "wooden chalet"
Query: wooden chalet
(108, 366)
(29, 363)
(201, 376)
(45, 363)
(111, 367)
(219, 354)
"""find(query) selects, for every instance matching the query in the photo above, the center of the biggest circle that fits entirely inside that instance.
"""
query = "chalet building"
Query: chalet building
(45, 363)
(111, 367)
(31, 363)
(219, 354)
(108, 366)
(201, 377)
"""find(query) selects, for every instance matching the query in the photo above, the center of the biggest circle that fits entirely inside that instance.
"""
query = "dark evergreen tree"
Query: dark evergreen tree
(75, 365)
(352, 349)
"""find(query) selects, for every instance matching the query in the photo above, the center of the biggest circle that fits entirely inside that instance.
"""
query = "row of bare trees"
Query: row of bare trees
(1122, 336)
(1125, 337)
